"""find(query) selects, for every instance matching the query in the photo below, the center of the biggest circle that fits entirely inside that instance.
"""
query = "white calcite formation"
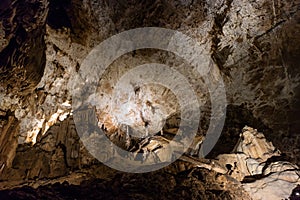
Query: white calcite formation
(253, 162)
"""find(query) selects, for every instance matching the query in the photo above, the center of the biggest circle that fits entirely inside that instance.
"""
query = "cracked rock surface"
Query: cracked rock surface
(260, 167)
(255, 45)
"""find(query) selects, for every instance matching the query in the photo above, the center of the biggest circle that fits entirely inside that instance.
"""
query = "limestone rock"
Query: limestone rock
(54, 155)
(8, 142)
(255, 145)
(278, 185)
(242, 37)
(255, 45)
(180, 180)
(252, 164)
(22, 44)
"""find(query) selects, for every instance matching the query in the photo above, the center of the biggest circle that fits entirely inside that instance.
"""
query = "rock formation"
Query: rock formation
(254, 44)
(260, 167)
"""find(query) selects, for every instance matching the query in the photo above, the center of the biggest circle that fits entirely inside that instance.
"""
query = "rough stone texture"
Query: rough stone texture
(54, 155)
(8, 142)
(59, 154)
(255, 44)
(268, 55)
(58, 164)
(22, 44)
(170, 183)
(235, 37)
(260, 167)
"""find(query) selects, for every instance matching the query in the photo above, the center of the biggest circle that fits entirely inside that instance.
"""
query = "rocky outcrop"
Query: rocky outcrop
(22, 49)
(255, 44)
(242, 44)
(59, 162)
(8, 142)
(260, 167)
(171, 183)
(55, 155)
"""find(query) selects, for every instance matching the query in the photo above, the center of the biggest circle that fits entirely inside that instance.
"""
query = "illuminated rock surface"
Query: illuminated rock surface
(255, 44)
(261, 168)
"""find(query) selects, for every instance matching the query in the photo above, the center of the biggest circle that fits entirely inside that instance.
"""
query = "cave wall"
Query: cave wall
(22, 45)
(255, 44)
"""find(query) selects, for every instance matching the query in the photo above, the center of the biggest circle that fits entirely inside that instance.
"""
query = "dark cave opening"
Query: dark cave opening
(57, 16)
(237, 117)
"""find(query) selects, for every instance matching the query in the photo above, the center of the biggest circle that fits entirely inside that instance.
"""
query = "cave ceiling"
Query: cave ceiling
(252, 46)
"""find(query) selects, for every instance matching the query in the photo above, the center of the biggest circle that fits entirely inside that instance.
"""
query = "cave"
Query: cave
(157, 99)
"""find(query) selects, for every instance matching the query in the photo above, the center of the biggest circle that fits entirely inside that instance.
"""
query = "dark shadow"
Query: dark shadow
(237, 117)
(57, 15)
